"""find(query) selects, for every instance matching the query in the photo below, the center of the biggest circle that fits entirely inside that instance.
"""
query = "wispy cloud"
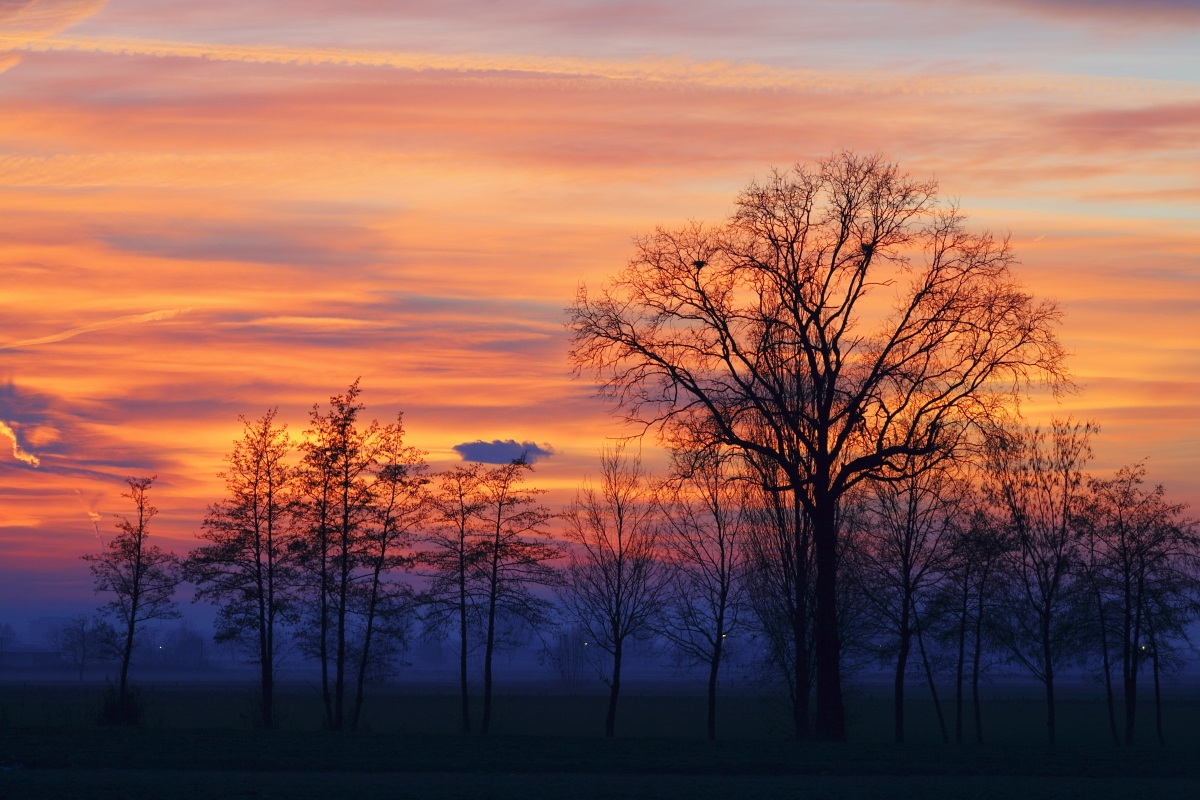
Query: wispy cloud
(33, 19)
(728, 74)
(131, 319)
(1123, 11)
(18, 452)
(42, 17)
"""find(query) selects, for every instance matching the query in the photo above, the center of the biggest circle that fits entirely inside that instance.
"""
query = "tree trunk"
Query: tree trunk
(610, 721)
(800, 666)
(1157, 690)
(1129, 655)
(368, 635)
(1048, 676)
(127, 656)
(937, 704)
(713, 667)
(976, 658)
(323, 625)
(1106, 662)
(489, 649)
(339, 663)
(831, 715)
(462, 652)
(901, 669)
(960, 666)
(265, 650)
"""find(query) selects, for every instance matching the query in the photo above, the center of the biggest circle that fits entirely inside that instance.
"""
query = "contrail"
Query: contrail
(18, 451)
(131, 319)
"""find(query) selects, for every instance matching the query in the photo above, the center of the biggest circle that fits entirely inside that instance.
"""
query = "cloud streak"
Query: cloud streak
(130, 319)
(34, 18)
(18, 452)
(719, 74)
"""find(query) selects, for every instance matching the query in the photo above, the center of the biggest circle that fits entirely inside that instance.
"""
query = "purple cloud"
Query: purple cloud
(502, 451)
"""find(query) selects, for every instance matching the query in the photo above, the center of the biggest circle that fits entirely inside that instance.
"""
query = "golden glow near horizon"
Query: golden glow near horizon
(211, 209)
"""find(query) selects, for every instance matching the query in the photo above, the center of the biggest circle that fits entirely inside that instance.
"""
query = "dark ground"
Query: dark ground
(198, 742)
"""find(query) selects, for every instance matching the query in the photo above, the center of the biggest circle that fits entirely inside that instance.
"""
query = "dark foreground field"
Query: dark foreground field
(198, 743)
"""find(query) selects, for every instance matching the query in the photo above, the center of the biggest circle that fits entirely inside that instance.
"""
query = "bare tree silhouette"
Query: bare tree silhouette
(839, 323)
(143, 578)
(616, 580)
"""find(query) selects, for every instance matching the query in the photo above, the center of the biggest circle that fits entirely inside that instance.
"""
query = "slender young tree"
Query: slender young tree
(974, 580)
(514, 556)
(336, 472)
(838, 323)
(1144, 574)
(248, 567)
(704, 528)
(1038, 480)
(615, 580)
(779, 584)
(401, 507)
(142, 578)
(452, 557)
(907, 529)
(82, 640)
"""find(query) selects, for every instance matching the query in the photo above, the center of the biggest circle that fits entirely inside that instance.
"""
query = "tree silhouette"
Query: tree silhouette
(703, 533)
(1038, 479)
(514, 555)
(1144, 575)
(82, 640)
(779, 584)
(400, 504)
(839, 323)
(615, 580)
(142, 577)
(452, 559)
(336, 477)
(974, 582)
(249, 566)
(904, 548)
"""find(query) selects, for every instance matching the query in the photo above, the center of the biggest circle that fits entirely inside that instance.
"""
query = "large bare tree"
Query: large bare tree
(840, 322)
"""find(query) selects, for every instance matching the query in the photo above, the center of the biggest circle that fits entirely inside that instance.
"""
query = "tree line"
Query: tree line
(836, 372)
(346, 540)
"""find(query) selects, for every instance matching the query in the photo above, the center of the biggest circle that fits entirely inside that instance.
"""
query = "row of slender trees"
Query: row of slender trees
(349, 542)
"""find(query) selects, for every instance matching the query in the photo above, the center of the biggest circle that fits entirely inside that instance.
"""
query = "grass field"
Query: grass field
(198, 742)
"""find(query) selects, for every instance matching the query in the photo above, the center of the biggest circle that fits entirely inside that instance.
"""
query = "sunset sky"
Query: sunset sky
(211, 208)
